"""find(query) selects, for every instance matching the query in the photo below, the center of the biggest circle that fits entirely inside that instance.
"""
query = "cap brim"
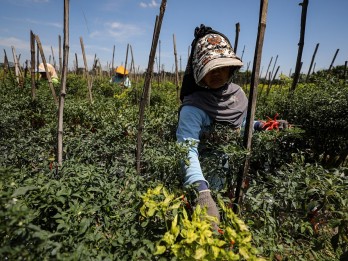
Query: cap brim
(218, 63)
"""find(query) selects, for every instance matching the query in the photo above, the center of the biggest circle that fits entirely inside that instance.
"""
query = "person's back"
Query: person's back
(51, 71)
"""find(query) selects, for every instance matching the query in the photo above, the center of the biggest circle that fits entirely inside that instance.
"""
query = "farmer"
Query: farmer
(51, 71)
(121, 77)
(208, 95)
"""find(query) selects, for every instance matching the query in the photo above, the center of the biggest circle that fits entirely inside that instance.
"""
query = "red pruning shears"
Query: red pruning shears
(271, 124)
(274, 124)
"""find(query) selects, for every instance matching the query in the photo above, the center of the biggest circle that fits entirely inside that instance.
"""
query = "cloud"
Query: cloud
(151, 4)
(31, 21)
(119, 31)
(12, 41)
(23, 47)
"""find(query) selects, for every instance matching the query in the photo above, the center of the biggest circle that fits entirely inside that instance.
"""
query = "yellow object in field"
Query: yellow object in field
(121, 70)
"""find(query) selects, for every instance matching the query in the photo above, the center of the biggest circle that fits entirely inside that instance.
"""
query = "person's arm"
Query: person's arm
(191, 122)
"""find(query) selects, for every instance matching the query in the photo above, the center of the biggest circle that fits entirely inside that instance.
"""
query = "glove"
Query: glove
(205, 200)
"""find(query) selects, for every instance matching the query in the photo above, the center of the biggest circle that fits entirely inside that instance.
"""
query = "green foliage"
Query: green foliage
(190, 236)
(319, 109)
(299, 203)
(92, 208)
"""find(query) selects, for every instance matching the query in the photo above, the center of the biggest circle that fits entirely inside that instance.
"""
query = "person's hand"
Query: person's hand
(283, 124)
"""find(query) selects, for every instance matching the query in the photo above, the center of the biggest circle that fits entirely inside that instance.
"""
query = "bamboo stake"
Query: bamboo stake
(333, 59)
(143, 100)
(37, 59)
(60, 54)
(132, 67)
(252, 100)
(125, 63)
(159, 62)
(76, 64)
(180, 72)
(269, 65)
(275, 62)
(237, 37)
(5, 65)
(242, 53)
(345, 72)
(270, 83)
(46, 69)
(25, 71)
(148, 94)
(6, 62)
(312, 61)
(63, 83)
(89, 81)
(300, 45)
(112, 62)
(94, 62)
(17, 70)
(32, 65)
(53, 59)
(176, 70)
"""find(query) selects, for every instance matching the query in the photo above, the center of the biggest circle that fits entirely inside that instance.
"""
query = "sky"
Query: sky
(104, 24)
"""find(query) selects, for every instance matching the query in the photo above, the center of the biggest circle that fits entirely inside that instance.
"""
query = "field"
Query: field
(97, 207)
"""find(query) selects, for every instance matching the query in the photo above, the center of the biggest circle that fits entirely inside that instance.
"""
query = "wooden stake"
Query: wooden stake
(237, 37)
(176, 70)
(60, 54)
(300, 46)
(63, 83)
(269, 65)
(312, 61)
(112, 62)
(242, 53)
(159, 62)
(89, 81)
(46, 69)
(270, 83)
(125, 64)
(252, 100)
(143, 100)
(7, 67)
(333, 59)
(17, 69)
(345, 72)
(275, 62)
(53, 59)
(76, 64)
(32, 65)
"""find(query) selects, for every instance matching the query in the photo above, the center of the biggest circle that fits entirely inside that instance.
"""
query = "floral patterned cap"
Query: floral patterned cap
(212, 51)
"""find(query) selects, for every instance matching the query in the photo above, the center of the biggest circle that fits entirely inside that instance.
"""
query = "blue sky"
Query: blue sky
(105, 23)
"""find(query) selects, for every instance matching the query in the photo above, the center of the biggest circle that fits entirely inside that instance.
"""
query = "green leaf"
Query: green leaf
(23, 190)
(199, 254)
(84, 224)
(159, 250)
